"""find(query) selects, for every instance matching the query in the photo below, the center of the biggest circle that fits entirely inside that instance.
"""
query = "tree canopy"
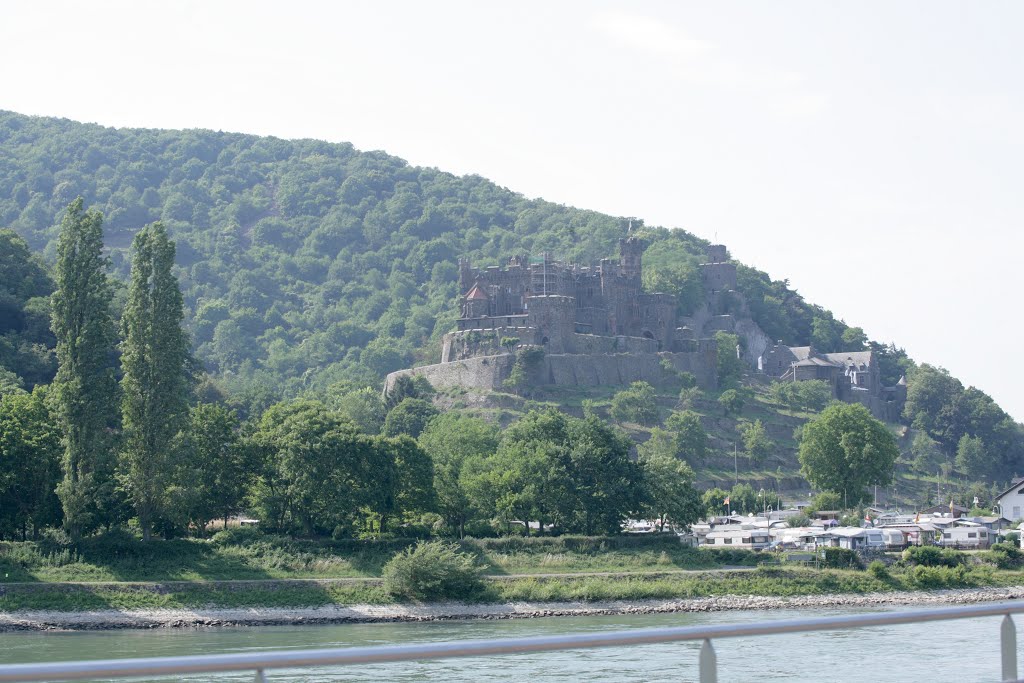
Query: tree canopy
(844, 449)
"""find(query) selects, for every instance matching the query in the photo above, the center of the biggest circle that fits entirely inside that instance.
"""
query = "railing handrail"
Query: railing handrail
(163, 666)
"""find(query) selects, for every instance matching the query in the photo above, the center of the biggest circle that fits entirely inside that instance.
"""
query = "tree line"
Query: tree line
(121, 436)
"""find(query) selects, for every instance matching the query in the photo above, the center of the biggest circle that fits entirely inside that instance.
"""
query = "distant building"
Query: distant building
(853, 376)
(1011, 501)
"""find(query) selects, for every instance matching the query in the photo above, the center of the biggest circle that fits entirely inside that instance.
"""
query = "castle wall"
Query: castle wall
(483, 342)
(592, 343)
(481, 372)
(609, 369)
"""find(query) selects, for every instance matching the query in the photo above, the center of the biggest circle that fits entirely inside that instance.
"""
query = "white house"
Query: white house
(1011, 501)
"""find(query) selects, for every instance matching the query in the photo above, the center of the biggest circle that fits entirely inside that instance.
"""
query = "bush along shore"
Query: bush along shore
(438, 580)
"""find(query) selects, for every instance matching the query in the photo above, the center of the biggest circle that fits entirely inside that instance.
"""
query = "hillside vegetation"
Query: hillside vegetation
(305, 262)
(311, 268)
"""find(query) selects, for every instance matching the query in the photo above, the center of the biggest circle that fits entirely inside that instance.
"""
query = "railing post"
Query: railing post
(260, 676)
(1008, 646)
(708, 663)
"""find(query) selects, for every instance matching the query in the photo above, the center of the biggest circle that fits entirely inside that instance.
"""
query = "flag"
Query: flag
(867, 518)
(726, 501)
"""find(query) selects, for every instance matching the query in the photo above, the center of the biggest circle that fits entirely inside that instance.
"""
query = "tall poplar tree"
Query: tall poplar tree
(154, 357)
(85, 389)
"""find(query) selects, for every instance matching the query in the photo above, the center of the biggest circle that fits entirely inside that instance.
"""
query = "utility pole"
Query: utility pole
(735, 466)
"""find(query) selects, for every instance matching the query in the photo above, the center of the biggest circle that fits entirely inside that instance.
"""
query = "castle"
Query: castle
(595, 324)
(551, 303)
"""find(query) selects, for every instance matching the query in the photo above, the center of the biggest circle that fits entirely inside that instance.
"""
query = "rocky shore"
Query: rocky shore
(335, 614)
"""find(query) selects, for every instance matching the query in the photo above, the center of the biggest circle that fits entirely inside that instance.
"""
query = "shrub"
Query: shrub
(841, 558)
(931, 556)
(798, 520)
(242, 535)
(878, 570)
(1005, 556)
(433, 570)
(940, 577)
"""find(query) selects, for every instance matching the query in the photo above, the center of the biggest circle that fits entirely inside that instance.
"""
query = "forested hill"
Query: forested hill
(306, 263)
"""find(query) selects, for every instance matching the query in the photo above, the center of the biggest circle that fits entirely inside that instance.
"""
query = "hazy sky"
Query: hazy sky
(870, 152)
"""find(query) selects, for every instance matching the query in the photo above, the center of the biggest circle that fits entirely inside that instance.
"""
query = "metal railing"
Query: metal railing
(261, 662)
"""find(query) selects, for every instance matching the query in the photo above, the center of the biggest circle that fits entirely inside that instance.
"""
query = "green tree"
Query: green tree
(811, 395)
(743, 499)
(156, 382)
(713, 501)
(854, 339)
(827, 500)
(573, 473)
(826, 334)
(10, 383)
(213, 469)
(604, 482)
(669, 494)
(364, 408)
(691, 437)
(454, 440)
(730, 366)
(409, 417)
(30, 454)
(972, 457)
(85, 390)
(926, 451)
(637, 404)
(845, 449)
(402, 387)
(756, 443)
(732, 401)
(317, 469)
(688, 398)
(403, 477)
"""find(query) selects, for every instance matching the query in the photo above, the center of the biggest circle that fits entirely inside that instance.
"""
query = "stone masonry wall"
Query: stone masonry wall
(613, 369)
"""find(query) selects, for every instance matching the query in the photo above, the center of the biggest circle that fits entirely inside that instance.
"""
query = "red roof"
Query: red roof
(476, 293)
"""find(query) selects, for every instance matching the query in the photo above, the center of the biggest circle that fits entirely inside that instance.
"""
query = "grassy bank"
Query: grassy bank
(249, 556)
(764, 581)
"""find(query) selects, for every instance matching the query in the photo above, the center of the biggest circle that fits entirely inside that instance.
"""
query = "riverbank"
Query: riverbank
(50, 620)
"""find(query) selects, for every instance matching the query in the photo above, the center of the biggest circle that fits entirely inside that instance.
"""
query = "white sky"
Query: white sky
(870, 152)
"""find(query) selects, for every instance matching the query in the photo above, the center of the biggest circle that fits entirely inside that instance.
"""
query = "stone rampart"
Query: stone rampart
(608, 369)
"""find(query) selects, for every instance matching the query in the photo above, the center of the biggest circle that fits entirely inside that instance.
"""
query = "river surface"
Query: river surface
(961, 651)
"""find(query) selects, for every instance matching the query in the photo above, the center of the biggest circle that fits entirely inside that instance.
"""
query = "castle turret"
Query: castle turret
(465, 275)
(717, 253)
(631, 250)
(476, 303)
(718, 275)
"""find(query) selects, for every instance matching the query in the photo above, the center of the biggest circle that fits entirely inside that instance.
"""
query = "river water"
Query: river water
(960, 651)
